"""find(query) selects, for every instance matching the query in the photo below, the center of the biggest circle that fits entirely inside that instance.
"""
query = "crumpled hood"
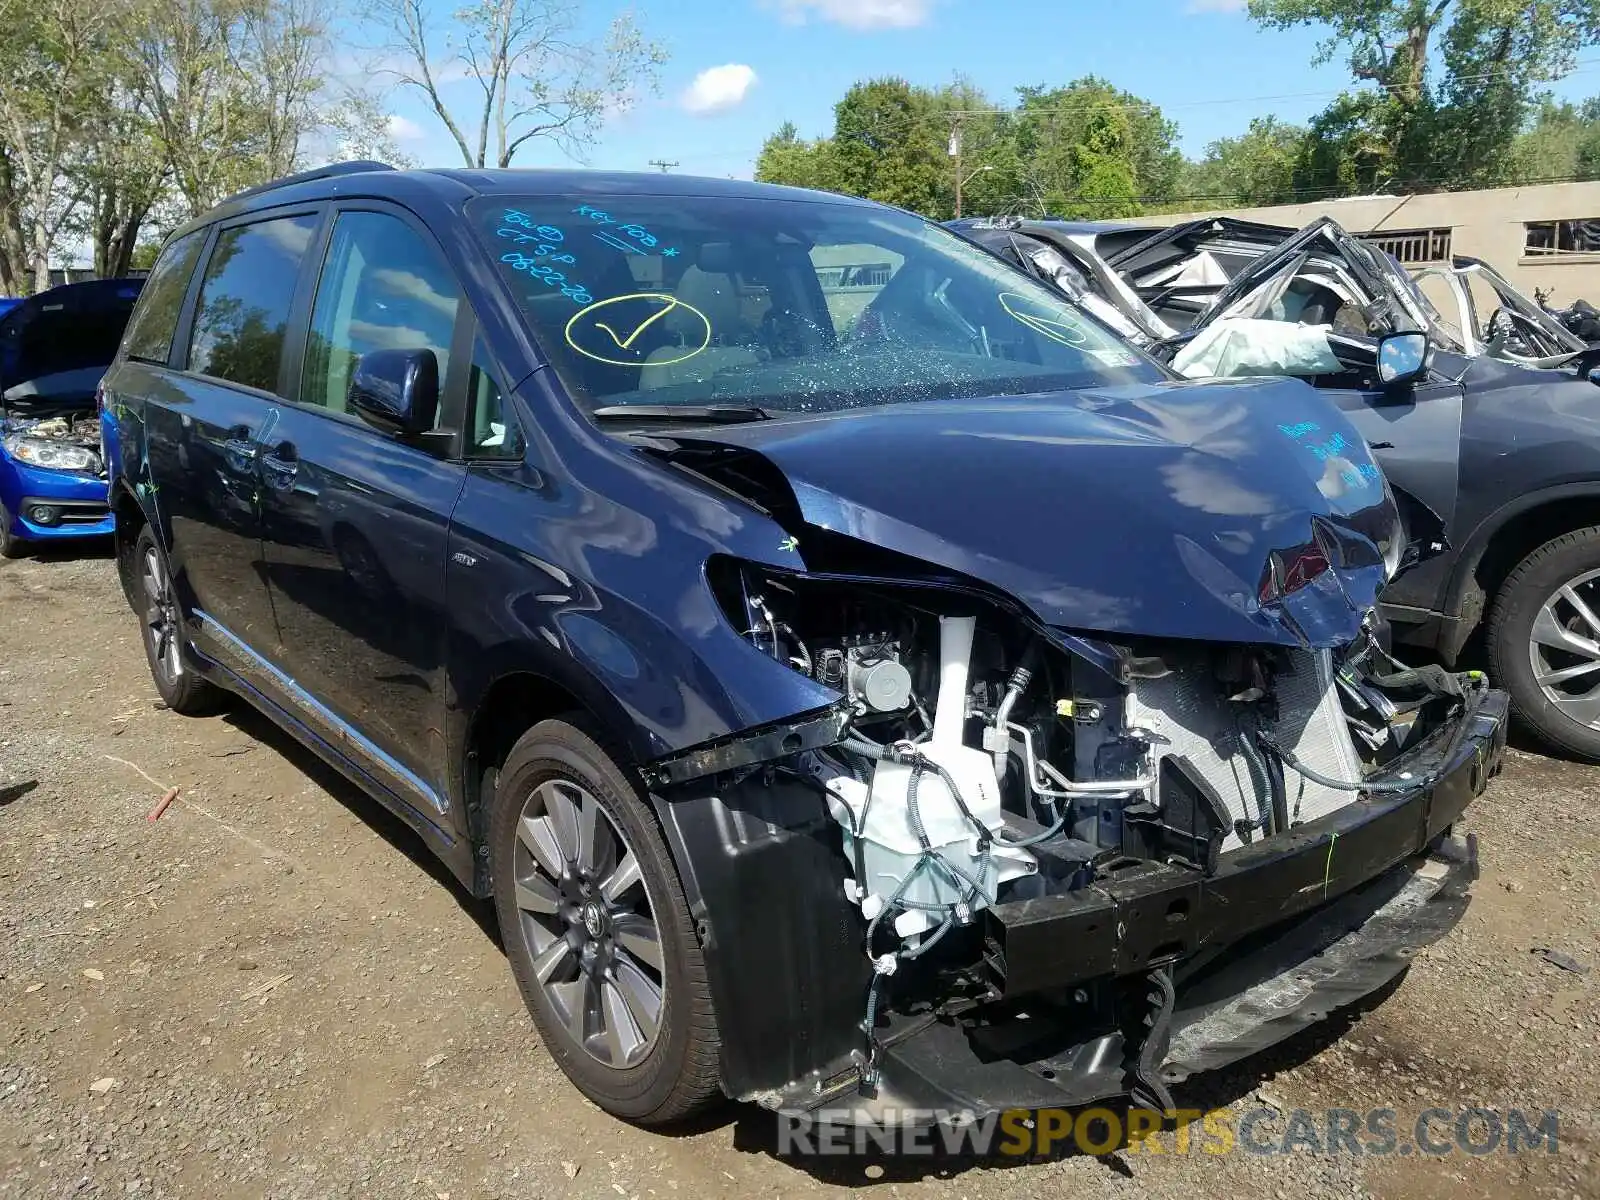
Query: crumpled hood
(1241, 511)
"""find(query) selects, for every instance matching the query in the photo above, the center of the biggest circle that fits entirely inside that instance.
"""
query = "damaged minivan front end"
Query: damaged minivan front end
(1084, 819)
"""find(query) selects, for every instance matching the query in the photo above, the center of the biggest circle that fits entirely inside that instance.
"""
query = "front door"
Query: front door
(355, 522)
(205, 423)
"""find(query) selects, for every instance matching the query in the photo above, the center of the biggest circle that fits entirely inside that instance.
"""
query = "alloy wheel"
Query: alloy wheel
(161, 617)
(589, 923)
(1564, 649)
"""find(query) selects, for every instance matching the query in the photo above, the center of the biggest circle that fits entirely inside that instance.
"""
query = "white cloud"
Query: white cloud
(717, 89)
(1216, 6)
(403, 129)
(862, 14)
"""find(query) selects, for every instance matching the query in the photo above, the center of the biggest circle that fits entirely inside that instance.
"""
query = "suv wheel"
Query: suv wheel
(597, 929)
(1544, 642)
(156, 601)
(10, 546)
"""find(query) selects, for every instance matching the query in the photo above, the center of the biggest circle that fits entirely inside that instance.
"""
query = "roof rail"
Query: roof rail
(331, 171)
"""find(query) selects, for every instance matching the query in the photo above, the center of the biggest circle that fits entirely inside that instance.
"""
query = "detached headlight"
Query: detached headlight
(49, 454)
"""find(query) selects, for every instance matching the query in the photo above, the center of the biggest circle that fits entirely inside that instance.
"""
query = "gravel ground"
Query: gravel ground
(273, 991)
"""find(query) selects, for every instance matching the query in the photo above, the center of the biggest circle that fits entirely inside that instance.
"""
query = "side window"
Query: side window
(492, 427)
(243, 313)
(382, 288)
(156, 319)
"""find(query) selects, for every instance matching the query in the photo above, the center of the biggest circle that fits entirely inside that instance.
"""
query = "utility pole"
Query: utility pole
(663, 164)
(955, 154)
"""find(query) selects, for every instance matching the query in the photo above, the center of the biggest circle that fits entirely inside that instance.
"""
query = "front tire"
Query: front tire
(598, 931)
(11, 546)
(1544, 642)
(161, 622)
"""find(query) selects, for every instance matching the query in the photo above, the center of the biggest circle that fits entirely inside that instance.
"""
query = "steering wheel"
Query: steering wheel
(787, 334)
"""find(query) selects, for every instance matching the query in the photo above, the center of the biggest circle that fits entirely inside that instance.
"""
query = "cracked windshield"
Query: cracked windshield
(787, 306)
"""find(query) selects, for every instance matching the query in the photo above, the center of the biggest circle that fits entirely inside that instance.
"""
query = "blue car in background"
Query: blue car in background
(54, 348)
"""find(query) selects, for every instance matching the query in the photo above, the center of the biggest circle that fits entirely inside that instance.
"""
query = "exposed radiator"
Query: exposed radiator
(1191, 718)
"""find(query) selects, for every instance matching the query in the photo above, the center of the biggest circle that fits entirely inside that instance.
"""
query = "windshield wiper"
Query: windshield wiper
(729, 414)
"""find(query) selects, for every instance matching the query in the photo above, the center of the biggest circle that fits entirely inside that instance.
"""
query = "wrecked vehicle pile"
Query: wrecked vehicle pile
(1490, 438)
(858, 677)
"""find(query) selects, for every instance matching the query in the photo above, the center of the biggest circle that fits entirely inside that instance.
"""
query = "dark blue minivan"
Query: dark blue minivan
(861, 681)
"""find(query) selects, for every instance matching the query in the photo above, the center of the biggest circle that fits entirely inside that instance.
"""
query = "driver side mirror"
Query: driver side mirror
(1402, 358)
(396, 391)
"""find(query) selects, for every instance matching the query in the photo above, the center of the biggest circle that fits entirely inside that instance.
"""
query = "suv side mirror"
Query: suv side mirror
(1402, 358)
(396, 391)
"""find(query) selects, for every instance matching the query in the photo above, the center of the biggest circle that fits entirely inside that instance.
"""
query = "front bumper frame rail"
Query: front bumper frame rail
(1151, 913)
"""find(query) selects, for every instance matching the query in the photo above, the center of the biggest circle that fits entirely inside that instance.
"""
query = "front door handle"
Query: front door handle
(240, 448)
(280, 466)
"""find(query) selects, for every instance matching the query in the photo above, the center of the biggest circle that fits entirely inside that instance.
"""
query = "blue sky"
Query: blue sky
(770, 61)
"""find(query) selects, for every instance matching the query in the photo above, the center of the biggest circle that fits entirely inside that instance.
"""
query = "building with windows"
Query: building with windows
(1545, 236)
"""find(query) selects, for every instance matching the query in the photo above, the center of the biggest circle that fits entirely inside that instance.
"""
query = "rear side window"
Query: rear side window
(156, 319)
(382, 288)
(243, 313)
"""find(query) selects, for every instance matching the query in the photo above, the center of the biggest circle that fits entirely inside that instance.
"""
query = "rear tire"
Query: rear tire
(161, 621)
(597, 929)
(11, 546)
(1544, 642)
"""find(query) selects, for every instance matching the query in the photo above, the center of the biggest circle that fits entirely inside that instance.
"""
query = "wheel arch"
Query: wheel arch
(518, 697)
(130, 519)
(1504, 539)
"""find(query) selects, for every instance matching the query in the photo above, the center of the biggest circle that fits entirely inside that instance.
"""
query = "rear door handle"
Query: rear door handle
(280, 466)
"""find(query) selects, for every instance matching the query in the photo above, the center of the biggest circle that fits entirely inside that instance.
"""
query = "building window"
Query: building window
(874, 275)
(1414, 246)
(1547, 238)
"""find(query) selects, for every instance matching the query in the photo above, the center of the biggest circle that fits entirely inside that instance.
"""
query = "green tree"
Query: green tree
(1450, 84)
(55, 59)
(144, 255)
(789, 159)
(1255, 168)
(1093, 148)
(1347, 150)
(1104, 183)
(1586, 163)
(891, 144)
(1561, 142)
(1086, 149)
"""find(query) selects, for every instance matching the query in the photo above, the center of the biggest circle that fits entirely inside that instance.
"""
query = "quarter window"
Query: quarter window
(156, 319)
(382, 288)
(494, 429)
